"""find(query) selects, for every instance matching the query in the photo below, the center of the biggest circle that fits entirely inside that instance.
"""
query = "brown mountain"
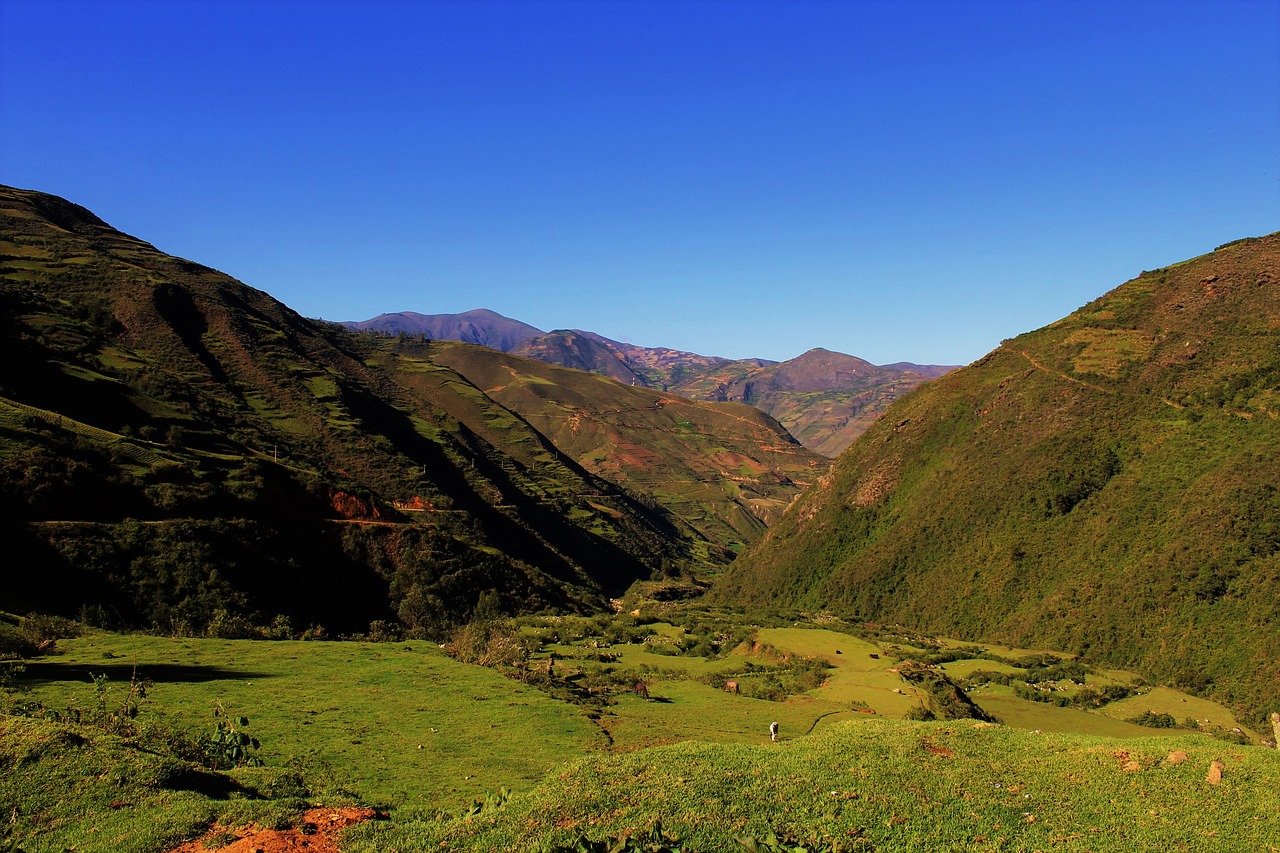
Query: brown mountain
(825, 399)
(726, 469)
(580, 351)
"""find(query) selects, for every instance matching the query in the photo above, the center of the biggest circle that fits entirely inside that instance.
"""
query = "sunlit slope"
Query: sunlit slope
(174, 442)
(825, 399)
(886, 785)
(1108, 485)
(726, 469)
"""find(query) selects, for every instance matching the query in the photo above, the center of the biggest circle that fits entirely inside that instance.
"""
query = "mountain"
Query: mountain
(726, 469)
(580, 351)
(825, 399)
(1108, 484)
(481, 326)
(178, 449)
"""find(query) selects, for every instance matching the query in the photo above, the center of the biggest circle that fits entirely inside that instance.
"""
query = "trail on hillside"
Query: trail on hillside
(1062, 375)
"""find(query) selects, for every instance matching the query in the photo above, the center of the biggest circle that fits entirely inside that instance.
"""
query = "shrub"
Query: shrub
(1152, 720)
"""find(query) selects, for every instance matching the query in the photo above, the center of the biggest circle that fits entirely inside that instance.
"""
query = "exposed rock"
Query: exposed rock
(1214, 776)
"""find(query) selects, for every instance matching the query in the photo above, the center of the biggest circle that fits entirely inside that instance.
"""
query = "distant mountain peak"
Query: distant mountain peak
(825, 398)
(477, 326)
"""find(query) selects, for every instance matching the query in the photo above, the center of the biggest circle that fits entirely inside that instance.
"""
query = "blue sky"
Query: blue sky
(895, 180)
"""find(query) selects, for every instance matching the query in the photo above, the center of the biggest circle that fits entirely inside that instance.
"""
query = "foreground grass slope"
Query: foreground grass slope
(888, 786)
(394, 723)
(74, 787)
(1106, 485)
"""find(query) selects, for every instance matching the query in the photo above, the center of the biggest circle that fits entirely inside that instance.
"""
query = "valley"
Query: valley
(548, 591)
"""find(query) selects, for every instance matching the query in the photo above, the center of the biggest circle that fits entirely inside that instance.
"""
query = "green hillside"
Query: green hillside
(1107, 485)
(175, 444)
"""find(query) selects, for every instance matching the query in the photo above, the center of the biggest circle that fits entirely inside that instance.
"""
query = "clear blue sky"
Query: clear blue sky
(895, 180)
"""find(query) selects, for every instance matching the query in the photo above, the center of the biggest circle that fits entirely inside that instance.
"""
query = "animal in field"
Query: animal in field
(642, 689)
(731, 686)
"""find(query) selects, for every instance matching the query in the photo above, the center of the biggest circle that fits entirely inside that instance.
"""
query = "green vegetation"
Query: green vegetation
(182, 453)
(419, 730)
(886, 786)
(1074, 490)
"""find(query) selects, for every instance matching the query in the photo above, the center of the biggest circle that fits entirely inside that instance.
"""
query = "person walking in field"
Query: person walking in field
(773, 731)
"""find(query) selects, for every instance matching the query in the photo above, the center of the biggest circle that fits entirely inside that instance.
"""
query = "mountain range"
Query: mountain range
(825, 399)
(177, 447)
(181, 452)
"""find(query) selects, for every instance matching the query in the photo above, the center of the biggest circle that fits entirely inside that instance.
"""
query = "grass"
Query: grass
(76, 788)
(403, 726)
(886, 786)
(396, 721)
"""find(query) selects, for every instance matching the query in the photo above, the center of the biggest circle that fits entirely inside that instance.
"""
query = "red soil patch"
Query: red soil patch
(933, 749)
(314, 835)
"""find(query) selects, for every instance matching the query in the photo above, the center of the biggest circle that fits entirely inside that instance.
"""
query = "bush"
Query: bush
(1152, 720)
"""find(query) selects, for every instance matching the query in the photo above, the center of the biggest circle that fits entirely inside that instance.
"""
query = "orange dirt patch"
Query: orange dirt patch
(314, 835)
(933, 749)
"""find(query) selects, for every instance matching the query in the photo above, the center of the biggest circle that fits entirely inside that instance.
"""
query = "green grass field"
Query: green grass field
(397, 721)
(407, 728)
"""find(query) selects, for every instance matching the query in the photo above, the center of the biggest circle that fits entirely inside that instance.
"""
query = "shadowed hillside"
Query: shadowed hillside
(1107, 484)
(175, 444)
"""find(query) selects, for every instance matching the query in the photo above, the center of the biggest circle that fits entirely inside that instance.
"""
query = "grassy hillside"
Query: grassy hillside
(174, 443)
(420, 735)
(728, 470)
(1105, 485)
(886, 786)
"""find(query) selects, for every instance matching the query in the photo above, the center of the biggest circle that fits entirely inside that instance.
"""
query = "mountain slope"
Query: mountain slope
(580, 351)
(727, 469)
(175, 444)
(1108, 484)
(825, 399)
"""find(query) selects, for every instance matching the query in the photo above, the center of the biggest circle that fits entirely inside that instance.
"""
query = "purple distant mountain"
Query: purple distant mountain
(481, 326)
(826, 399)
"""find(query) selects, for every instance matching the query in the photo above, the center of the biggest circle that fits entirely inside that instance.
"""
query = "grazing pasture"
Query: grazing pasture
(598, 728)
